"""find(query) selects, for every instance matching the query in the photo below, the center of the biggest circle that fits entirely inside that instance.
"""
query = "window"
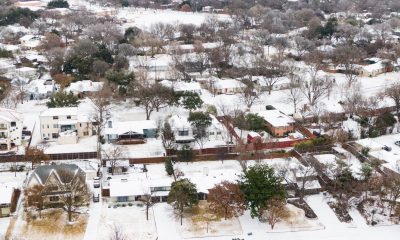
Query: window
(80, 124)
(68, 117)
(53, 198)
(122, 199)
(218, 133)
(183, 132)
(211, 133)
(85, 133)
(55, 117)
(48, 126)
(13, 124)
(55, 125)
(54, 135)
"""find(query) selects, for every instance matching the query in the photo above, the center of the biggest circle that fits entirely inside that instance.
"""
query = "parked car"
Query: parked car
(397, 143)
(18, 168)
(96, 198)
(387, 148)
(96, 182)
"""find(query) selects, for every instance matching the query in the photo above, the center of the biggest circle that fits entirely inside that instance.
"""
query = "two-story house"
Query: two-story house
(65, 125)
(10, 129)
(54, 179)
(183, 130)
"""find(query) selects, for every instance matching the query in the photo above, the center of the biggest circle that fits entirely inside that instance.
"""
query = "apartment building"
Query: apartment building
(10, 129)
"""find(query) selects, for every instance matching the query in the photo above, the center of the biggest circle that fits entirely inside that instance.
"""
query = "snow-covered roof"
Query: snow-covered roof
(276, 118)
(372, 67)
(26, 69)
(27, 37)
(182, 86)
(128, 187)
(179, 122)
(39, 86)
(59, 112)
(6, 194)
(121, 127)
(85, 86)
(9, 115)
(227, 83)
(42, 173)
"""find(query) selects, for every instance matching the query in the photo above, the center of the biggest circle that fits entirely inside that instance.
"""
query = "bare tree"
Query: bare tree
(392, 189)
(294, 94)
(275, 211)
(393, 92)
(73, 190)
(302, 45)
(113, 155)
(348, 56)
(55, 58)
(101, 106)
(35, 197)
(154, 97)
(117, 233)
(21, 87)
(105, 33)
(313, 86)
(148, 202)
(354, 99)
(249, 95)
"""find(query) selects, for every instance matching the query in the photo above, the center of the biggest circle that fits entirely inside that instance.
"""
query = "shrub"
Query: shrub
(58, 4)
(130, 204)
(5, 54)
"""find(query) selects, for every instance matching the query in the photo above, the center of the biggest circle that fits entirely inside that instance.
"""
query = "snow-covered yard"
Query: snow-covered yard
(53, 225)
(392, 158)
(131, 220)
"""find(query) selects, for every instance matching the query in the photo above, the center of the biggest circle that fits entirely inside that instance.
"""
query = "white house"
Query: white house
(129, 131)
(40, 89)
(84, 87)
(181, 86)
(183, 130)
(226, 86)
(137, 185)
(65, 125)
(10, 129)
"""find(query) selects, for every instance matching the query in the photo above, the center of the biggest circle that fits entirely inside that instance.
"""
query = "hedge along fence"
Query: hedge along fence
(14, 199)
(216, 157)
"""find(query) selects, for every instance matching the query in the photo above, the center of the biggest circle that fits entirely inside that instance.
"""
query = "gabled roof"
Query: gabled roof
(42, 173)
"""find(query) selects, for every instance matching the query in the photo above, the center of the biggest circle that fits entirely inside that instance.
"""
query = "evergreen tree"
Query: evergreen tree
(191, 100)
(260, 185)
(63, 99)
(183, 194)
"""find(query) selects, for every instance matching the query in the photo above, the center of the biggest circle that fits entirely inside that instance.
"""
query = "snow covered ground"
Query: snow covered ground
(392, 158)
(330, 229)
